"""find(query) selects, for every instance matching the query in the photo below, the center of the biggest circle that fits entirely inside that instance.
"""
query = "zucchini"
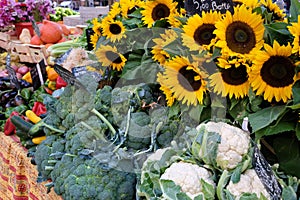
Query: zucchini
(21, 124)
(28, 144)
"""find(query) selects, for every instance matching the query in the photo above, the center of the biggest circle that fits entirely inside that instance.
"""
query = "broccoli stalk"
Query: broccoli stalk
(38, 126)
(111, 128)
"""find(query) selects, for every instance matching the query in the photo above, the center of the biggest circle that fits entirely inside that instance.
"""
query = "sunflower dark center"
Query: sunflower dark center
(115, 29)
(204, 34)
(186, 79)
(240, 37)
(160, 11)
(278, 71)
(113, 57)
(235, 76)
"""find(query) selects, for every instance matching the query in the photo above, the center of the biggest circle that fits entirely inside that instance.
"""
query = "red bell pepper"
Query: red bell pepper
(39, 108)
(60, 82)
(9, 127)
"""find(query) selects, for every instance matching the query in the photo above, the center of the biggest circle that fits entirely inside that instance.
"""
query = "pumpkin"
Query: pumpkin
(36, 40)
(63, 39)
(65, 29)
(51, 32)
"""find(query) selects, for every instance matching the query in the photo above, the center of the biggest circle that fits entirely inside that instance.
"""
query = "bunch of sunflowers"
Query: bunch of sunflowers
(245, 63)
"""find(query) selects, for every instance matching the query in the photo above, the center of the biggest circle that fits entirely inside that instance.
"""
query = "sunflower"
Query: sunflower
(114, 30)
(185, 81)
(231, 81)
(248, 3)
(295, 31)
(129, 6)
(198, 32)
(168, 93)
(229, 61)
(114, 11)
(240, 33)
(273, 73)
(157, 10)
(96, 26)
(94, 39)
(110, 57)
(273, 8)
(158, 50)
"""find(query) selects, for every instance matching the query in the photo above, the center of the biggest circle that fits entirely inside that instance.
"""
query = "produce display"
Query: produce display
(167, 105)
(60, 13)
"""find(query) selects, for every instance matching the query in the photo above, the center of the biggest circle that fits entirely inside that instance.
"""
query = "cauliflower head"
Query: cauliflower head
(232, 144)
(188, 176)
(249, 183)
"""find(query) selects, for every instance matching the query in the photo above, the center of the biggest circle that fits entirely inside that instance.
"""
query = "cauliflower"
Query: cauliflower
(221, 144)
(249, 183)
(188, 177)
(169, 174)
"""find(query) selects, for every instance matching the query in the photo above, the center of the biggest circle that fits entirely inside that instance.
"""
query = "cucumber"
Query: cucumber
(21, 124)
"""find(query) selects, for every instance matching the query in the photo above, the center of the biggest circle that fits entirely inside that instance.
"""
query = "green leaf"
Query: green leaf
(208, 190)
(294, 10)
(289, 194)
(236, 174)
(296, 93)
(280, 127)
(171, 190)
(278, 31)
(249, 196)
(298, 131)
(265, 117)
(287, 150)
(135, 14)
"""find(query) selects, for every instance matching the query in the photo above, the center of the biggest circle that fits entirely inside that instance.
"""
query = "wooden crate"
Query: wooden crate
(28, 53)
(4, 40)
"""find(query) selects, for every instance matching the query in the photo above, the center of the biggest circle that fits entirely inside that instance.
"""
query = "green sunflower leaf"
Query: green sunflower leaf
(278, 31)
(296, 92)
(279, 127)
(298, 131)
(265, 117)
(287, 150)
(294, 10)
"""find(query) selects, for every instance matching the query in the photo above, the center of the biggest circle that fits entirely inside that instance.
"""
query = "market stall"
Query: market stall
(156, 100)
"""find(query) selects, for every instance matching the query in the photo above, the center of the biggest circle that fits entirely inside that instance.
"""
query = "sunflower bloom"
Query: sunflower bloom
(273, 73)
(231, 81)
(273, 8)
(94, 39)
(240, 33)
(185, 81)
(168, 93)
(114, 30)
(96, 26)
(129, 6)
(158, 50)
(248, 3)
(295, 31)
(198, 32)
(157, 10)
(110, 57)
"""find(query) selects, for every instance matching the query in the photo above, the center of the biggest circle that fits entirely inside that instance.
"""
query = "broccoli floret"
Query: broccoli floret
(89, 82)
(103, 99)
(42, 156)
(80, 182)
(139, 132)
(69, 121)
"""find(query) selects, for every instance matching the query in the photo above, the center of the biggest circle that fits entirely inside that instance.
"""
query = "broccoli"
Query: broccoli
(90, 179)
(53, 144)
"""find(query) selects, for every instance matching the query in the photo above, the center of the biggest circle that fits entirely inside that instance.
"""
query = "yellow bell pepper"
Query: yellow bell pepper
(27, 77)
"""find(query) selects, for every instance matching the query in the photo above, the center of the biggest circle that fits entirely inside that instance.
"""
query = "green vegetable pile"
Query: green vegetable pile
(102, 137)
(60, 13)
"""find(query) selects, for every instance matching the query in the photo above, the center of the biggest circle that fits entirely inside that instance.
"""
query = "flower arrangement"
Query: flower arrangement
(14, 12)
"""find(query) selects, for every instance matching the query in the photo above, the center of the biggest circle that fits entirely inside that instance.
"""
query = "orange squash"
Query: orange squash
(51, 32)
(35, 40)
(65, 29)
(63, 39)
